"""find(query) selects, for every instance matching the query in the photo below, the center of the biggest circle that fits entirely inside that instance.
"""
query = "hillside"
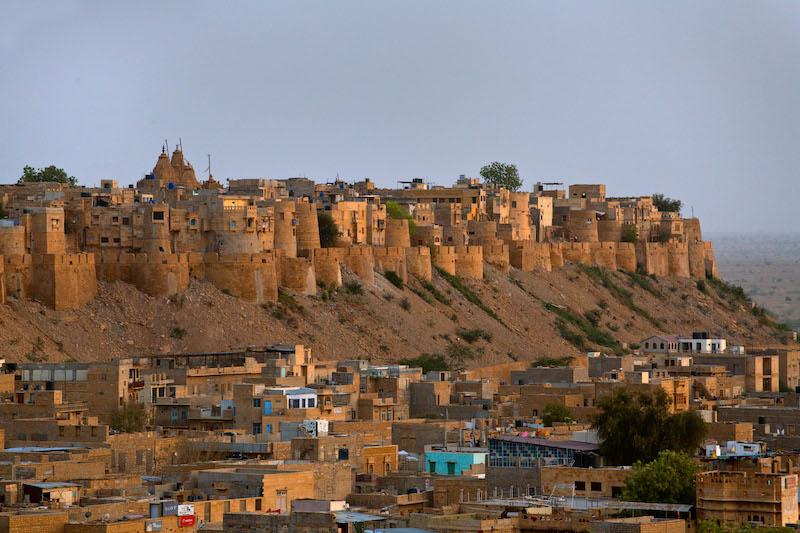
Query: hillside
(535, 315)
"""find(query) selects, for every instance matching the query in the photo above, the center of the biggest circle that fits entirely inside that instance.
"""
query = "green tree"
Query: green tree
(630, 233)
(668, 479)
(501, 175)
(555, 412)
(667, 204)
(47, 174)
(636, 427)
(328, 232)
(130, 418)
(398, 212)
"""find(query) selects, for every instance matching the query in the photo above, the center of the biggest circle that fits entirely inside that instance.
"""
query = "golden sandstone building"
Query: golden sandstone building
(259, 234)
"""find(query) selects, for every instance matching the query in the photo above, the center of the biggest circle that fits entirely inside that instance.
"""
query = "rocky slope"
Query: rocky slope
(505, 317)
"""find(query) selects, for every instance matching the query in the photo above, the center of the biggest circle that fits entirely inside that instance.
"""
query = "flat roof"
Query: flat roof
(562, 444)
(351, 517)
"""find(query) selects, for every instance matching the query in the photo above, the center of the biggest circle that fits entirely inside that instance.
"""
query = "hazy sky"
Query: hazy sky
(699, 100)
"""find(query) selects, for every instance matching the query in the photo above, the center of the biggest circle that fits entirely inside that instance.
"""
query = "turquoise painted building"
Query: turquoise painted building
(453, 461)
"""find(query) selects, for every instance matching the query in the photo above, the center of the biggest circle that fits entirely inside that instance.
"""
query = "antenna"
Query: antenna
(166, 141)
(209, 166)
(180, 143)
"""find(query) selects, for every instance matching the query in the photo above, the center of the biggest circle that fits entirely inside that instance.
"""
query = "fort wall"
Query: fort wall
(482, 232)
(626, 256)
(697, 265)
(577, 253)
(327, 266)
(418, 262)
(678, 259)
(652, 258)
(497, 255)
(158, 274)
(65, 281)
(444, 257)
(710, 260)
(469, 262)
(307, 226)
(251, 277)
(582, 225)
(427, 236)
(604, 254)
(391, 258)
(12, 240)
(18, 275)
(556, 257)
(285, 228)
(398, 234)
(297, 274)
(609, 230)
(361, 261)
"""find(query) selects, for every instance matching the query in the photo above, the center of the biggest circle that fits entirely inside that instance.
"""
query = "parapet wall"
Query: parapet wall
(250, 277)
(327, 266)
(418, 262)
(710, 260)
(65, 281)
(398, 234)
(444, 258)
(391, 258)
(361, 261)
(469, 262)
(497, 255)
(154, 274)
(12, 240)
(530, 255)
(297, 274)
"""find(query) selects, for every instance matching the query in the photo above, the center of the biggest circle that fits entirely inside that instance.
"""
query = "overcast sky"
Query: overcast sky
(698, 100)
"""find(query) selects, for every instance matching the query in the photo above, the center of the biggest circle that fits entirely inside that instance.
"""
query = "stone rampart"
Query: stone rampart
(626, 256)
(582, 225)
(327, 266)
(604, 254)
(361, 261)
(444, 257)
(652, 258)
(64, 281)
(285, 228)
(497, 255)
(556, 257)
(418, 262)
(710, 260)
(391, 258)
(18, 275)
(482, 232)
(297, 274)
(251, 277)
(397, 233)
(577, 253)
(697, 264)
(678, 259)
(609, 230)
(307, 226)
(469, 262)
(12, 240)
(427, 236)
(153, 274)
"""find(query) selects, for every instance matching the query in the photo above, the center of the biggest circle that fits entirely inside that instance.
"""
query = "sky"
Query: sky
(697, 100)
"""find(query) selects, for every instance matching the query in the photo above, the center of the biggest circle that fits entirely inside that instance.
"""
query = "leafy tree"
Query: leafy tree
(630, 233)
(636, 427)
(47, 174)
(555, 412)
(668, 479)
(328, 232)
(130, 418)
(427, 362)
(398, 212)
(501, 175)
(666, 204)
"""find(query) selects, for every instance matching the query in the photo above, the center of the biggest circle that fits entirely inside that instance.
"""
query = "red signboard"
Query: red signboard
(184, 521)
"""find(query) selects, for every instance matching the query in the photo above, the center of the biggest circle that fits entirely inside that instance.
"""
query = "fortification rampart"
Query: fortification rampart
(12, 240)
(604, 254)
(626, 256)
(444, 258)
(418, 262)
(469, 262)
(497, 255)
(297, 274)
(361, 261)
(307, 227)
(391, 258)
(327, 266)
(64, 281)
(251, 277)
(18, 275)
(609, 230)
(154, 274)
(577, 253)
(678, 259)
(710, 260)
(398, 234)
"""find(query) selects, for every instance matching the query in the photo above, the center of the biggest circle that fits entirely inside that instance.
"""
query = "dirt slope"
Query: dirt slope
(387, 323)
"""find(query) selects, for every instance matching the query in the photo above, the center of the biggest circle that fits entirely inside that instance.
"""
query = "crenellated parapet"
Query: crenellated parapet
(251, 277)
(469, 262)
(63, 281)
(391, 258)
(418, 262)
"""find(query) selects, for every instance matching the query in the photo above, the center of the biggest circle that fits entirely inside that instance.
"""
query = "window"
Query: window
(431, 466)
(256, 428)
(158, 215)
(294, 403)
(256, 402)
(597, 486)
(616, 492)
(580, 485)
(268, 428)
(312, 402)
(126, 221)
(343, 454)
(451, 468)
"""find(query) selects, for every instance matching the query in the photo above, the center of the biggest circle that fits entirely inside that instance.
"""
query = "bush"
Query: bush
(427, 362)
(177, 332)
(666, 204)
(701, 286)
(470, 296)
(353, 287)
(394, 279)
(474, 335)
(552, 361)
(398, 212)
(428, 286)
(555, 412)
(130, 418)
(630, 233)
(405, 304)
(587, 328)
(670, 478)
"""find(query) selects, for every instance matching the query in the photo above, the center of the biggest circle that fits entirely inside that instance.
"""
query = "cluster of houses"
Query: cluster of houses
(272, 438)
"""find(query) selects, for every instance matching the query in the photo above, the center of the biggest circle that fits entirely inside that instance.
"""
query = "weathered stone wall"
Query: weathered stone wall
(418, 262)
(577, 253)
(251, 277)
(18, 275)
(582, 225)
(297, 274)
(678, 259)
(469, 262)
(710, 260)
(285, 229)
(307, 227)
(391, 259)
(652, 257)
(556, 257)
(327, 266)
(12, 240)
(361, 261)
(159, 274)
(66, 281)
(427, 236)
(47, 231)
(482, 232)
(626, 256)
(497, 255)
(609, 230)
(444, 257)
(397, 233)
(604, 254)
